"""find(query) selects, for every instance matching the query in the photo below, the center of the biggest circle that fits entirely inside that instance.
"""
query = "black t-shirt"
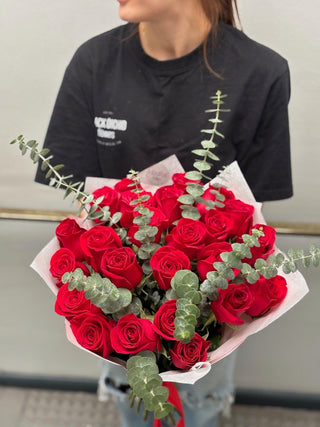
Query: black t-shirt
(119, 109)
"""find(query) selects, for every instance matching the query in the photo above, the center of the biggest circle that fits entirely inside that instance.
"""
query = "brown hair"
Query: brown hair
(224, 11)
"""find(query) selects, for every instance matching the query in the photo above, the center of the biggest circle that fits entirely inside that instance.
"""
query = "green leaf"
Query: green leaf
(186, 199)
(207, 143)
(191, 213)
(185, 277)
(260, 264)
(144, 198)
(140, 235)
(213, 156)
(306, 262)
(209, 290)
(194, 175)
(194, 189)
(48, 174)
(202, 165)
(219, 134)
(58, 167)
(163, 410)
(44, 152)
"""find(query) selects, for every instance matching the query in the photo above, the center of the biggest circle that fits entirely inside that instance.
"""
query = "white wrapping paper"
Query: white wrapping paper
(152, 178)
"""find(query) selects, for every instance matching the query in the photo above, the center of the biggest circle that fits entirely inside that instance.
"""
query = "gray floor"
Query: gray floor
(42, 408)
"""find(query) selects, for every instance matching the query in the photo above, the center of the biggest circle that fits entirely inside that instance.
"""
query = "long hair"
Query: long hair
(225, 11)
(218, 11)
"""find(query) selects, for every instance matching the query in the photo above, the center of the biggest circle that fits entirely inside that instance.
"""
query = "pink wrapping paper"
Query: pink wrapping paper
(152, 178)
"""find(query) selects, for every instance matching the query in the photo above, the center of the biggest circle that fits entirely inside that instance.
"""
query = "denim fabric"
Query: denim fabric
(202, 401)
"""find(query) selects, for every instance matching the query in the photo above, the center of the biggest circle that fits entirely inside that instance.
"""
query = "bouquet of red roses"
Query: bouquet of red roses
(169, 275)
(179, 307)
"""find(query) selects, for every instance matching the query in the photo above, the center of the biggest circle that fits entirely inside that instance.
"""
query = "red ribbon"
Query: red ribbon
(175, 400)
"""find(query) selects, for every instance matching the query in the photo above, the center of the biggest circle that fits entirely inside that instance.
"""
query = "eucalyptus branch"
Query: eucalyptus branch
(266, 268)
(146, 233)
(195, 189)
(99, 290)
(146, 383)
(87, 202)
(185, 289)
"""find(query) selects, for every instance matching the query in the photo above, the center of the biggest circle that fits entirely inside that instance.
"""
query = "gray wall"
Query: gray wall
(37, 40)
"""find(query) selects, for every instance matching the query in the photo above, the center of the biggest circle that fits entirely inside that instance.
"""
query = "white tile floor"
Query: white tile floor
(42, 408)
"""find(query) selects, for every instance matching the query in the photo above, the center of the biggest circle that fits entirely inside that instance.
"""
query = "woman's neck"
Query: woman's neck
(176, 37)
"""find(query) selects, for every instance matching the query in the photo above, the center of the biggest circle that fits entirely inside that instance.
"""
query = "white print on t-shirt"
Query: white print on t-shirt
(106, 126)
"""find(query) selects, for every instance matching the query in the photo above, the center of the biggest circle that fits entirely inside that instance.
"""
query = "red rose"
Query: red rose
(266, 247)
(180, 180)
(165, 262)
(184, 356)
(158, 220)
(72, 303)
(127, 210)
(241, 213)
(266, 294)
(132, 335)
(232, 302)
(63, 261)
(165, 198)
(121, 267)
(68, 233)
(110, 198)
(189, 236)
(210, 254)
(96, 241)
(92, 331)
(220, 225)
(208, 195)
(163, 322)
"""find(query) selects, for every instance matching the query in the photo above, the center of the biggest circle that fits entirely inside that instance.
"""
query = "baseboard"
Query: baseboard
(284, 399)
(87, 385)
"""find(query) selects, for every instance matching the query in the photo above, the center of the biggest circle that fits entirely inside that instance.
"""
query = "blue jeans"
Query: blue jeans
(202, 401)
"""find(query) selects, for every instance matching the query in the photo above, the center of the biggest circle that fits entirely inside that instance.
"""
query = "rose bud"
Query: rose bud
(132, 335)
(163, 322)
(110, 198)
(92, 331)
(241, 213)
(179, 180)
(68, 233)
(165, 198)
(266, 294)
(126, 184)
(165, 262)
(189, 236)
(220, 225)
(209, 255)
(184, 356)
(96, 241)
(72, 303)
(232, 303)
(121, 267)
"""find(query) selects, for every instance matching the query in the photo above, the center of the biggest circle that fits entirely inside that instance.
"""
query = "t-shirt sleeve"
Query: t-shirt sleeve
(71, 133)
(267, 164)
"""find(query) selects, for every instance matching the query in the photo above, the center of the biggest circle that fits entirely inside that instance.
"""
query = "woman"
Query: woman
(137, 94)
